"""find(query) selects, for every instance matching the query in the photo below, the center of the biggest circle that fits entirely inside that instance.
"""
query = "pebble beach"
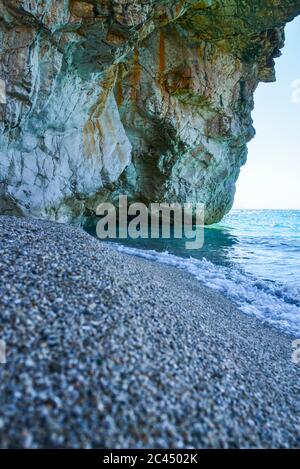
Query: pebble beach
(106, 350)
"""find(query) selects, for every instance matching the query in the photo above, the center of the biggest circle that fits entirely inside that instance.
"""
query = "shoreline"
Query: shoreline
(109, 350)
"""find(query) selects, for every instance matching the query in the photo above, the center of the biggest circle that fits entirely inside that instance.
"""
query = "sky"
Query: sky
(271, 177)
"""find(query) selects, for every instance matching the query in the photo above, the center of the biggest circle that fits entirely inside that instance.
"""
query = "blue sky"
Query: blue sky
(271, 177)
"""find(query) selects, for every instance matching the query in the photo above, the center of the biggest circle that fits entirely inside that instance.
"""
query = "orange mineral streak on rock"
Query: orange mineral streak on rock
(119, 93)
(136, 75)
(114, 38)
(165, 96)
(81, 9)
(119, 88)
(179, 8)
(89, 142)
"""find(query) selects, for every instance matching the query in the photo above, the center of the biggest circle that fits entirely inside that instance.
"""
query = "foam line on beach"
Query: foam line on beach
(276, 304)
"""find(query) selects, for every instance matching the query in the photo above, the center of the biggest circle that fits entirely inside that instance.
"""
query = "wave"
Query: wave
(271, 302)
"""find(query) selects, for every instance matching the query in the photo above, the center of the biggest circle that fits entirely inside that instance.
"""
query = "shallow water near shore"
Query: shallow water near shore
(252, 256)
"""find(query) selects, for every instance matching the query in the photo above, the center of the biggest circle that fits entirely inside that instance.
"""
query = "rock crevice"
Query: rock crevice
(151, 99)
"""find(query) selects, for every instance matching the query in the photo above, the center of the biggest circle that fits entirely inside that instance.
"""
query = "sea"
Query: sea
(252, 257)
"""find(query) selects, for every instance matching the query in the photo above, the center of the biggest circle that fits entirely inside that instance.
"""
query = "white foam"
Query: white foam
(271, 302)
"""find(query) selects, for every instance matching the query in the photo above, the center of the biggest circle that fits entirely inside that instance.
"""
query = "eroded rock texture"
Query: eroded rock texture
(147, 98)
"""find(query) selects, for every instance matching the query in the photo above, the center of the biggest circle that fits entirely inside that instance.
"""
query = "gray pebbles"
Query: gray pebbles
(110, 351)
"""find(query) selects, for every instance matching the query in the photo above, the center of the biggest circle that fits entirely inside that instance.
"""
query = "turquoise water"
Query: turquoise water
(253, 257)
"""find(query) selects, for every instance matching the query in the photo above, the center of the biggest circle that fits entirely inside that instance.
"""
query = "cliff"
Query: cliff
(147, 98)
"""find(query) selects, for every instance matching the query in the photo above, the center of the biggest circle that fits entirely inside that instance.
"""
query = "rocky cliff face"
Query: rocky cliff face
(147, 98)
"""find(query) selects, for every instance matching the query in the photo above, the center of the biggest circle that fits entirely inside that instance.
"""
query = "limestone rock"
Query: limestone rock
(151, 99)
